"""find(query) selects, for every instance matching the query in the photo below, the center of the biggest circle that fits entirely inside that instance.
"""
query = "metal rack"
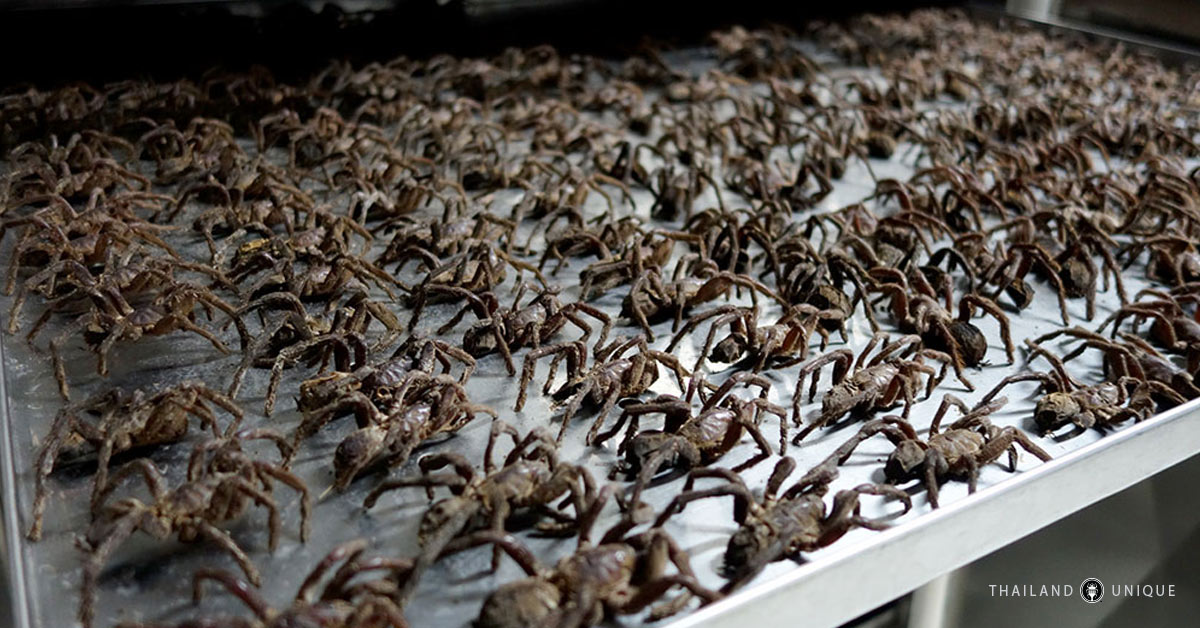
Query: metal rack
(836, 585)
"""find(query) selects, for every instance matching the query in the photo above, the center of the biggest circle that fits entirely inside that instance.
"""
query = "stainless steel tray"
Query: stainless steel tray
(861, 571)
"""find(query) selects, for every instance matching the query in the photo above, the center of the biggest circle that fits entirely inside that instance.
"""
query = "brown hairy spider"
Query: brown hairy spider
(778, 526)
(532, 325)
(1170, 324)
(636, 258)
(969, 443)
(781, 344)
(862, 387)
(652, 301)
(1173, 258)
(111, 318)
(677, 192)
(1079, 272)
(216, 491)
(56, 233)
(1133, 357)
(610, 378)
(124, 422)
(686, 440)
(1101, 406)
(921, 314)
(578, 240)
(727, 235)
(66, 284)
(296, 336)
(349, 352)
(345, 599)
(430, 241)
(481, 268)
(416, 357)
(621, 575)
(530, 480)
(422, 407)
(807, 277)
(323, 278)
(1008, 274)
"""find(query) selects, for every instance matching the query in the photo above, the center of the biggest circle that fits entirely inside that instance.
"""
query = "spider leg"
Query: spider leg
(98, 556)
(226, 543)
(239, 588)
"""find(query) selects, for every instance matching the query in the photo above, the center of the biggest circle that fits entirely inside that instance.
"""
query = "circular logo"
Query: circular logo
(1092, 590)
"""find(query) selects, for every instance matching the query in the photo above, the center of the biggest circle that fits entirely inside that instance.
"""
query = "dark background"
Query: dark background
(101, 41)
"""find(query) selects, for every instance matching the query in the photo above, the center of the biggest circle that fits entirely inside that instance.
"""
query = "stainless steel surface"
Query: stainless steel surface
(1171, 52)
(860, 572)
(16, 609)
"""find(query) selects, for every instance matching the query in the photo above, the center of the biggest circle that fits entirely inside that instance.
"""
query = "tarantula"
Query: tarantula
(212, 494)
(652, 301)
(414, 359)
(56, 234)
(430, 241)
(780, 344)
(505, 329)
(778, 526)
(939, 330)
(610, 378)
(293, 327)
(688, 440)
(969, 443)
(1170, 324)
(637, 257)
(880, 383)
(125, 422)
(621, 575)
(1130, 357)
(1101, 405)
(343, 600)
(530, 479)
(423, 407)
(111, 319)
(481, 268)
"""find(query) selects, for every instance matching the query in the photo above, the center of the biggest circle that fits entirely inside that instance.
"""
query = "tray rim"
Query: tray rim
(20, 609)
(767, 602)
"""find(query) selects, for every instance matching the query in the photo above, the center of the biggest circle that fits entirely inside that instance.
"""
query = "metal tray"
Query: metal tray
(151, 581)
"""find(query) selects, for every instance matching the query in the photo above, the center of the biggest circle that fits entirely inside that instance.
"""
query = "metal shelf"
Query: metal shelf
(861, 572)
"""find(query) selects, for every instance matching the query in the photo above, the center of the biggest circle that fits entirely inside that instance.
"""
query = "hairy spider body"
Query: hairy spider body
(610, 378)
(969, 443)
(423, 407)
(617, 577)
(1130, 357)
(1170, 325)
(878, 384)
(651, 301)
(530, 480)
(415, 358)
(216, 491)
(939, 330)
(506, 329)
(1102, 405)
(781, 344)
(172, 308)
(775, 526)
(686, 440)
(126, 422)
(339, 603)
